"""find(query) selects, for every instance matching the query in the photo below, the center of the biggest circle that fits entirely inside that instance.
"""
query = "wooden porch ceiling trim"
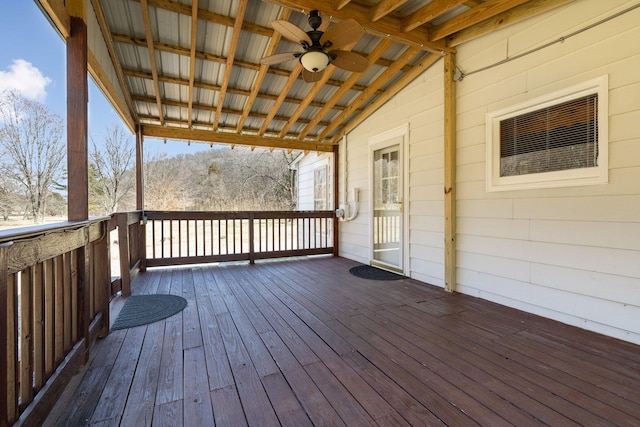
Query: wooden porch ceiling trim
(437, 28)
(155, 131)
(388, 26)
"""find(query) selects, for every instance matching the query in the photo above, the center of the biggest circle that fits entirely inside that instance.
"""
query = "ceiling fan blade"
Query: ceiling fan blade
(349, 61)
(278, 58)
(310, 76)
(342, 34)
(290, 32)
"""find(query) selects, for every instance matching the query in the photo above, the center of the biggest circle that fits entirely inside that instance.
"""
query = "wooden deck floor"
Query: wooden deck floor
(303, 342)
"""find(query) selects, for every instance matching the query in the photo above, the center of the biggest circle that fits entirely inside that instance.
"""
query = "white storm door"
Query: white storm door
(387, 207)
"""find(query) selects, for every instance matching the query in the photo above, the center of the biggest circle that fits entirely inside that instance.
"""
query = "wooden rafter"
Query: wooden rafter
(473, 16)
(192, 58)
(348, 84)
(403, 59)
(384, 8)
(209, 86)
(164, 47)
(262, 73)
(407, 78)
(428, 12)
(437, 26)
(211, 108)
(314, 90)
(104, 30)
(237, 27)
(504, 19)
(152, 57)
(388, 26)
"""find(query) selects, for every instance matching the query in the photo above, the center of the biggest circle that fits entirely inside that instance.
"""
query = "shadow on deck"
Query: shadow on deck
(303, 342)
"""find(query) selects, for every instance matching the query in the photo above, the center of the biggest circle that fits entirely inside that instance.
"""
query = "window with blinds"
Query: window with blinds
(554, 138)
(559, 139)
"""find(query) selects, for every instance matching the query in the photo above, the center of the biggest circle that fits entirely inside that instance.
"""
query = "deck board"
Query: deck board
(303, 342)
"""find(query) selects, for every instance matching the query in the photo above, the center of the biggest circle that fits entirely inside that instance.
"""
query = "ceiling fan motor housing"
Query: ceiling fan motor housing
(314, 19)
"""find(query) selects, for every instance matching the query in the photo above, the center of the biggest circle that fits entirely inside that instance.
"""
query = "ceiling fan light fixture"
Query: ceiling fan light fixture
(314, 60)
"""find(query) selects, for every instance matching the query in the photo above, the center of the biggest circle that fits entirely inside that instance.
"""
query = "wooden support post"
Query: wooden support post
(8, 355)
(449, 174)
(123, 245)
(336, 199)
(102, 278)
(77, 116)
(84, 283)
(142, 235)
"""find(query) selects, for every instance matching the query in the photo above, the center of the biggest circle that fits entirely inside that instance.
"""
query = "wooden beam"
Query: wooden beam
(387, 26)
(449, 174)
(123, 106)
(58, 15)
(428, 12)
(165, 47)
(403, 59)
(513, 16)
(390, 92)
(237, 27)
(77, 119)
(486, 10)
(348, 84)
(384, 8)
(262, 73)
(152, 57)
(208, 107)
(192, 58)
(185, 134)
(205, 14)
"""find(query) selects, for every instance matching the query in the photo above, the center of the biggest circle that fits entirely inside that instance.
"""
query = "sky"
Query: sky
(33, 62)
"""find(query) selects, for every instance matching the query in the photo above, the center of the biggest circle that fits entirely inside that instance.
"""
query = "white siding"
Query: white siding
(306, 166)
(573, 253)
(424, 115)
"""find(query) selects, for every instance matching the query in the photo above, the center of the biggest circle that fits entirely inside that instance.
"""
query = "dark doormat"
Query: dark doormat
(143, 309)
(374, 273)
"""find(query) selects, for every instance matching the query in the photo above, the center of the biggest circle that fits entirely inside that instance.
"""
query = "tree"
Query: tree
(110, 170)
(33, 150)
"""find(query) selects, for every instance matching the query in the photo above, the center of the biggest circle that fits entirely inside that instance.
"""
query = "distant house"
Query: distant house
(547, 183)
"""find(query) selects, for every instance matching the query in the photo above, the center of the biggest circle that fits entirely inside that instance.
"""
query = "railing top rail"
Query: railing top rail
(21, 233)
(204, 215)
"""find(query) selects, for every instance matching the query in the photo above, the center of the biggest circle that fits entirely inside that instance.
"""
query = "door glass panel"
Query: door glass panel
(387, 208)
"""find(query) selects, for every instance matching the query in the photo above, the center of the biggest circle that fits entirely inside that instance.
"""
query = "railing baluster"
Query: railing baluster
(37, 340)
(58, 311)
(26, 336)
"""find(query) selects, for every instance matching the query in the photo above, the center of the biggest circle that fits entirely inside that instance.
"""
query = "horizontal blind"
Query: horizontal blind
(558, 137)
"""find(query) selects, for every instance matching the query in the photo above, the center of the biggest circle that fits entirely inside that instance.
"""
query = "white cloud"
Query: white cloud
(25, 79)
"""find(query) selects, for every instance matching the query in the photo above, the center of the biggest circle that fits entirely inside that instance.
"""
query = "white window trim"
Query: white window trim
(566, 178)
(321, 165)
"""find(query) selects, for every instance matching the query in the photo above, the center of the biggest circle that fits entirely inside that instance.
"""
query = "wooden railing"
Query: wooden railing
(131, 249)
(176, 238)
(54, 298)
(56, 284)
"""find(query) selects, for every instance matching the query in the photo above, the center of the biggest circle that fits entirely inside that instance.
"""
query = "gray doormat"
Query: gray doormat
(374, 273)
(143, 309)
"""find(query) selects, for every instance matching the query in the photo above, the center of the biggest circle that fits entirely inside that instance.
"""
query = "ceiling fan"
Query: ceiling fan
(321, 48)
